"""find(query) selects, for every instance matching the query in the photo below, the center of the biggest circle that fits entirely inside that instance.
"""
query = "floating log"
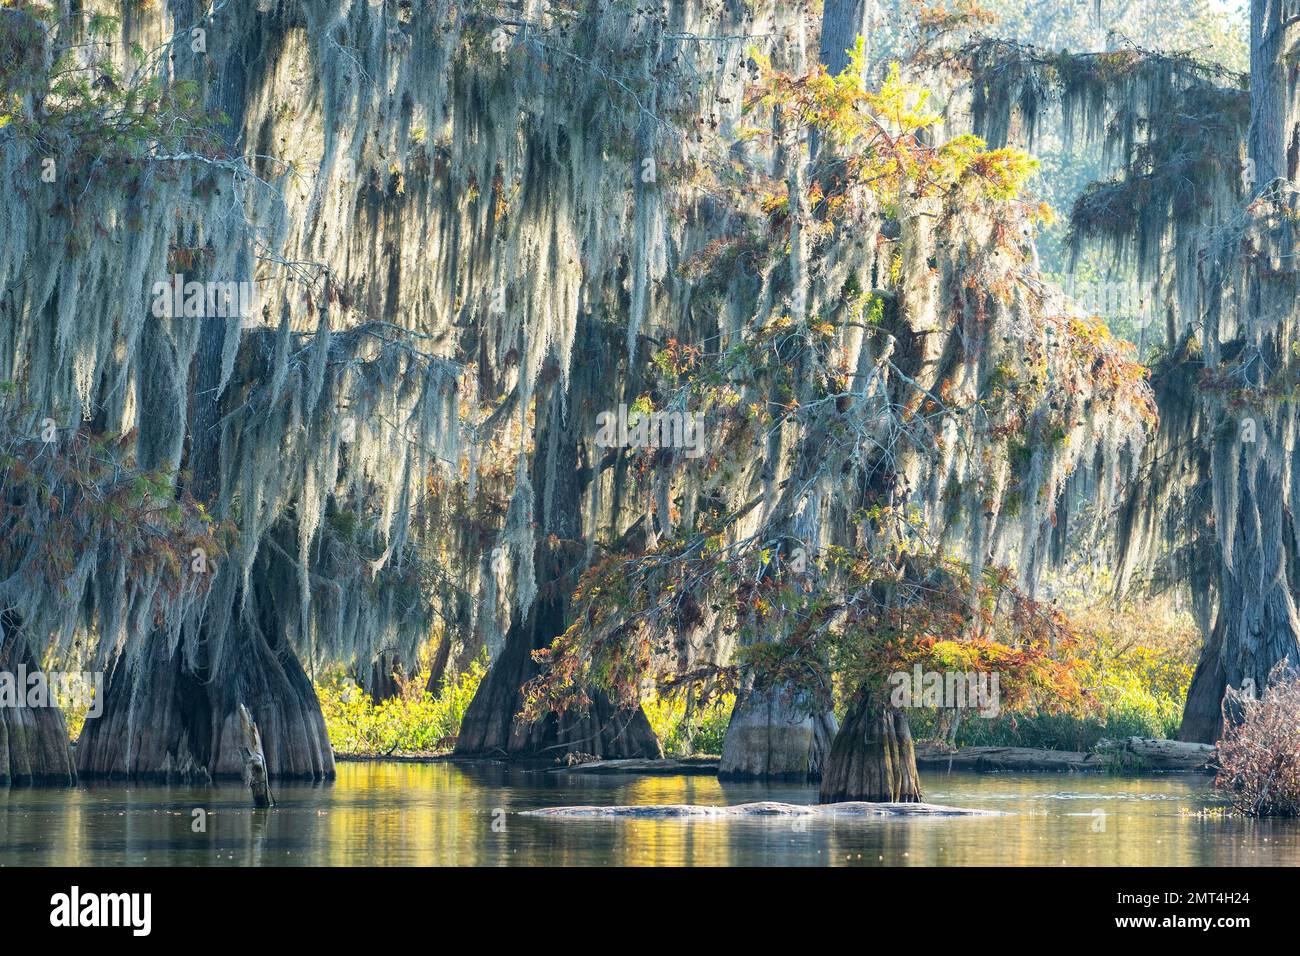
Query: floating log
(687, 765)
(255, 775)
(1147, 753)
(1131, 754)
(766, 808)
(1008, 759)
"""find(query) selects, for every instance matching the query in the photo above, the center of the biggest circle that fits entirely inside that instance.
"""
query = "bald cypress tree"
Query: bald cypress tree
(1248, 293)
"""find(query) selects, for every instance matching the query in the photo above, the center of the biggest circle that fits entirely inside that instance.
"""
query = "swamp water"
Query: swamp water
(397, 814)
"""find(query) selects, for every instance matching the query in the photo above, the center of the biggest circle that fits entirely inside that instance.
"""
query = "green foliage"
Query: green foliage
(99, 120)
(414, 721)
(885, 133)
(703, 733)
(1137, 663)
(1136, 713)
(75, 707)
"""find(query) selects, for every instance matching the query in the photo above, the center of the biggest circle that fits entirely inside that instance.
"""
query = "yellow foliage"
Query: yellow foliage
(880, 131)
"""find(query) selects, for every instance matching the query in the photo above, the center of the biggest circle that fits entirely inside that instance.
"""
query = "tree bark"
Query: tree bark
(255, 776)
(438, 670)
(385, 671)
(872, 758)
(491, 724)
(162, 721)
(1258, 623)
(33, 740)
(774, 734)
(1203, 714)
(843, 21)
(1274, 138)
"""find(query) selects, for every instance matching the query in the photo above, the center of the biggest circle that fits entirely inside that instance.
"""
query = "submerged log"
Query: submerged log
(660, 768)
(255, 775)
(766, 808)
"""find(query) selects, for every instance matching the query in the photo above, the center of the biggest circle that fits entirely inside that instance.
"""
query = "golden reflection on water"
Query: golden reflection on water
(399, 814)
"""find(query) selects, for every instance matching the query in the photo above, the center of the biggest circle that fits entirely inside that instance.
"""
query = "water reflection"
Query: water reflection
(467, 814)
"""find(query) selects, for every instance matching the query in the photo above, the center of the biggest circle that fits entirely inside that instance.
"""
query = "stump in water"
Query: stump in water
(33, 740)
(872, 757)
(255, 776)
(774, 734)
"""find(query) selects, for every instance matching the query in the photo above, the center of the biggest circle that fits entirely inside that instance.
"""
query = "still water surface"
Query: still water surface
(399, 814)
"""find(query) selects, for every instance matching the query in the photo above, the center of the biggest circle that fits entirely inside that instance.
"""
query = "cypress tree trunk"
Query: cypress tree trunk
(491, 724)
(1274, 143)
(775, 735)
(843, 21)
(438, 670)
(173, 715)
(33, 740)
(776, 732)
(1258, 623)
(382, 683)
(872, 757)
(1202, 715)
(164, 720)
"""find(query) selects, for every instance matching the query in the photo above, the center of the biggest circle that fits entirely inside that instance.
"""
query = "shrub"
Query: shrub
(667, 717)
(1259, 755)
(1137, 664)
(413, 721)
